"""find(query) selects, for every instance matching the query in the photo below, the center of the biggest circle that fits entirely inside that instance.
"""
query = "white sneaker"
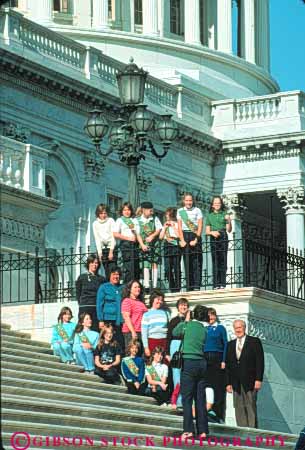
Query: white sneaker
(164, 405)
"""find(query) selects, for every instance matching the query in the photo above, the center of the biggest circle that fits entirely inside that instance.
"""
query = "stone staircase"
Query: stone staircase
(65, 408)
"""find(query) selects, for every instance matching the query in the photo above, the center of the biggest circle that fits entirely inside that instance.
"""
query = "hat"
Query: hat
(147, 205)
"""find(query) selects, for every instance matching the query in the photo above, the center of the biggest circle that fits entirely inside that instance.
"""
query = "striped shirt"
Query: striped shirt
(136, 309)
(154, 325)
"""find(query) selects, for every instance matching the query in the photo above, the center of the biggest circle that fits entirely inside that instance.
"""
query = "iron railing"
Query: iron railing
(50, 276)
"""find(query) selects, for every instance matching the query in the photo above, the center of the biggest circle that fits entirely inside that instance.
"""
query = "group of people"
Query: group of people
(138, 235)
(122, 341)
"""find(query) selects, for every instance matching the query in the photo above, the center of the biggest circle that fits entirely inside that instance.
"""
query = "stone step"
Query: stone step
(83, 385)
(23, 340)
(16, 334)
(23, 345)
(24, 352)
(50, 429)
(79, 399)
(56, 417)
(117, 413)
(4, 326)
(32, 362)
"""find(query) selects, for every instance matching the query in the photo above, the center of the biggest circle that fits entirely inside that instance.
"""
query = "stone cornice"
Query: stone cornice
(263, 148)
(28, 199)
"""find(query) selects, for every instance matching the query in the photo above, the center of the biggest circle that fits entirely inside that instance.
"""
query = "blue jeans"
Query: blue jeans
(193, 383)
(174, 346)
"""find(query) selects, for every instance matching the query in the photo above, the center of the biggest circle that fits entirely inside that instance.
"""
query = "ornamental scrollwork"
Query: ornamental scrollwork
(293, 198)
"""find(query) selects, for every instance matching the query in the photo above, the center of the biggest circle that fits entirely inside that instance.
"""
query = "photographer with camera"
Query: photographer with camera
(193, 377)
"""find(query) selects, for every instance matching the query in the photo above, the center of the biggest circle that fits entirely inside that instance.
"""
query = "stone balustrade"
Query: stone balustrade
(267, 114)
(22, 166)
(51, 49)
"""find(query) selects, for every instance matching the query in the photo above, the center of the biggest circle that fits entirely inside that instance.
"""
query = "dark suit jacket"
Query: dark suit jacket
(250, 366)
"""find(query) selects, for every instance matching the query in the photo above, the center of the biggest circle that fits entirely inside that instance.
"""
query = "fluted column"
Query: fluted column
(211, 24)
(293, 200)
(150, 17)
(82, 13)
(263, 34)
(192, 22)
(248, 30)
(128, 15)
(100, 14)
(224, 25)
(164, 18)
(40, 12)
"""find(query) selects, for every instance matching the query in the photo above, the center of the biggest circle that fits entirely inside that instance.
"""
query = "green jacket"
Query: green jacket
(194, 338)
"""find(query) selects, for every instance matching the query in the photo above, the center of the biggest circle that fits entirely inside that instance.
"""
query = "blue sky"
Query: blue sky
(287, 33)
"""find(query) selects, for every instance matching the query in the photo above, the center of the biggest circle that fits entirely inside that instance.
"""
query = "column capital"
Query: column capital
(293, 199)
(235, 205)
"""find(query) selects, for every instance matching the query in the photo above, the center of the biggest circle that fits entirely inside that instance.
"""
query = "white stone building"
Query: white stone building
(209, 66)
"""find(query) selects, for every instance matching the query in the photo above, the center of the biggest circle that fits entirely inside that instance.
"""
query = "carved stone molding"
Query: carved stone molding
(16, 131)
(277, 333)
(235, 205)
(93, 167)
(22, 230)
(293, 198)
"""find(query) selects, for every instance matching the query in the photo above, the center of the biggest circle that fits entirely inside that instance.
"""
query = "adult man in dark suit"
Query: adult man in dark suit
(245, 370)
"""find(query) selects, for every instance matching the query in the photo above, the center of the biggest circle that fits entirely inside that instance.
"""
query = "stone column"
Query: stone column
(235, 262)
(224, 25)
(210, 37)
(41, 12)
(100, 15)
(293, 200)
(164, 18)
(263, 34)
(82, 13)
(248, 30)
(192, 22)
(118, 14)
(128, 15)
(150, 17)
(81, 226)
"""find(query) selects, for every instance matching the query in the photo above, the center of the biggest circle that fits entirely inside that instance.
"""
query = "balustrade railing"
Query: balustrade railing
(22, 166)
(16, 30)
(50, 276)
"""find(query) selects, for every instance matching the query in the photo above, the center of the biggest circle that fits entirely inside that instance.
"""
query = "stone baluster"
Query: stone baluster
(235, 262)
(40, 11)
(224, 25)
(192, 22)
(150, 17)
(100, 15)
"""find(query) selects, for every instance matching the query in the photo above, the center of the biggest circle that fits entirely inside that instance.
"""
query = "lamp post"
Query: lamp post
(129, 135)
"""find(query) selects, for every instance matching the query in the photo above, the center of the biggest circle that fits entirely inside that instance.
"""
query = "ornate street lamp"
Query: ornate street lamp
(129, 136)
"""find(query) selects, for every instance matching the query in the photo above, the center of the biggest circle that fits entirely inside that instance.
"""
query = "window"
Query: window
(50, 188)
(114, 203)
(138, 12)
(175, 17)
(61, 6)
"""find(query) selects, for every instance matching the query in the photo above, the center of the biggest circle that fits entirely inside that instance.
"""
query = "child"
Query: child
(156, 375)
(190, 224)
(107, 357)
(133, 369)
(85, 341)
(62, 336)
(218, 224)
(125, 232)
(148, 230)
(103, 228)
(172, 252)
